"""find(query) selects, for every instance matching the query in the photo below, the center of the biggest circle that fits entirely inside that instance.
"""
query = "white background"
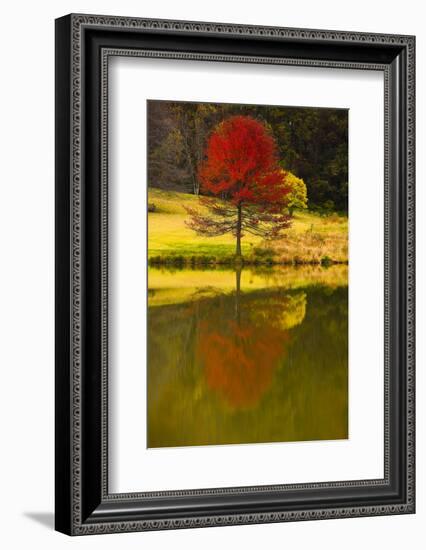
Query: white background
(360, 456)
(26, 300)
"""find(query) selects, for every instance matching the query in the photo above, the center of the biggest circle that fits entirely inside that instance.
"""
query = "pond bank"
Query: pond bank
(232, 261)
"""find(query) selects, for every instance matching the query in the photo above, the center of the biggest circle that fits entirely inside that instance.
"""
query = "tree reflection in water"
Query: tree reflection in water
(248, 361)
(240, 354)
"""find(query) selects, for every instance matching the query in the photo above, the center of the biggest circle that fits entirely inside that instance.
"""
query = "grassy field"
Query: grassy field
(311, 239)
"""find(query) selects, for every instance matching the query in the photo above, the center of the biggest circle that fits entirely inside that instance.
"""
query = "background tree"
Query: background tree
(312, 143)
(166, 161)
(241, 167)
(192, 121)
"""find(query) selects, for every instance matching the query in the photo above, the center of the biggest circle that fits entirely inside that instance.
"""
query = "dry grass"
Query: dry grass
(313, 247)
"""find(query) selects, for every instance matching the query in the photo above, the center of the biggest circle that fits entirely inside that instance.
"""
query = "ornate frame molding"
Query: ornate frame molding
(73, 516)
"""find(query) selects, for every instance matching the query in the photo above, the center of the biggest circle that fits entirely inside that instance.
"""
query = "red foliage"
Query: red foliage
(242, 164)
(241, 167)
(240, 359)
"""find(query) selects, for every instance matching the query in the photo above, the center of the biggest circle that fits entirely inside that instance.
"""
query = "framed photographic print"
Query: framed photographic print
(234, 274)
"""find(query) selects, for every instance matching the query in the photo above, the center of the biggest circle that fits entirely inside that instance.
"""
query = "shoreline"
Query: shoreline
(207, 261)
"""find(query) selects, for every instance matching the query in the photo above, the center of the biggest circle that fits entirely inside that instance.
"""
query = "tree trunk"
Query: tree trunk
(183, 125)
(237, 293)
(238, 231)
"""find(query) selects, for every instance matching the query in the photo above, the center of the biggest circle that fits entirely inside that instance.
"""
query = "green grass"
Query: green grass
(311, 238)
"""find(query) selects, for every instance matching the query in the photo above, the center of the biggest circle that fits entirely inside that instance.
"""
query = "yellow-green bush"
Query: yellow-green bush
(298, 195)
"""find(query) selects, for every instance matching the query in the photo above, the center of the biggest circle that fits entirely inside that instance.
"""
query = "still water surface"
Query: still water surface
(247, 356)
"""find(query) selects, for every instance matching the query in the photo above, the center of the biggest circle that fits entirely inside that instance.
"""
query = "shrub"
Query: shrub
(326, 261)
(261, 252)
(298, 195)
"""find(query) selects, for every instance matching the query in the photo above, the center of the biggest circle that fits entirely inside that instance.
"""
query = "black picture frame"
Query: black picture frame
(83, 46)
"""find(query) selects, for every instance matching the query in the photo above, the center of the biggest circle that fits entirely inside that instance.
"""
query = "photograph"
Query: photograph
(234, 272)
(247, 273)
(209, 298)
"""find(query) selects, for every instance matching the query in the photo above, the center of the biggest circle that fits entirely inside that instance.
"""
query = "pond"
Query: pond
(247, 356)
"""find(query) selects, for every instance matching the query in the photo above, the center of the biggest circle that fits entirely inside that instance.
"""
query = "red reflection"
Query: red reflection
(240, 358)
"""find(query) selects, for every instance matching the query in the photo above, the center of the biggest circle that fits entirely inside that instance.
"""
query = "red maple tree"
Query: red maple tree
(241, 168)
